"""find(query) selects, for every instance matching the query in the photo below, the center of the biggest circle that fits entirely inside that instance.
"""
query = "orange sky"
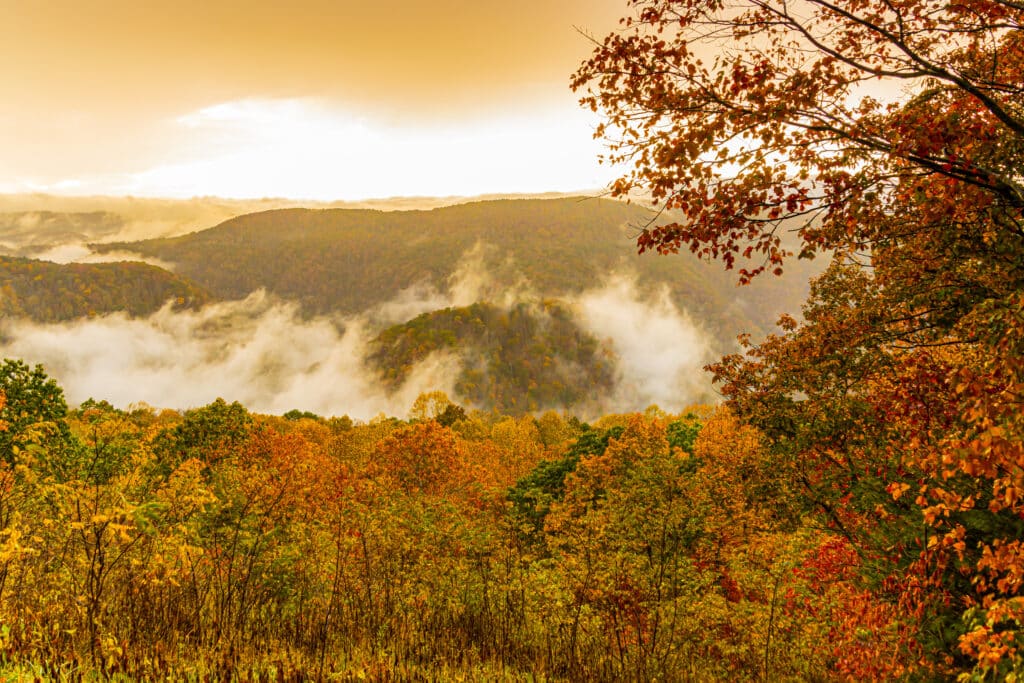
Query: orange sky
(319, 99)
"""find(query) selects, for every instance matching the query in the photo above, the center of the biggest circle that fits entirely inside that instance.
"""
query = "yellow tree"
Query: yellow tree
(621, 540)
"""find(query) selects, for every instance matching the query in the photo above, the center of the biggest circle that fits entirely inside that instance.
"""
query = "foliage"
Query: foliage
(524, 358)
(296, 414)
(33, 413)
(892, 410)
(854, 513)
(533, 495)
(219, 543)
(51, 292)
(204, 434)
(435, 405)
(742, 115)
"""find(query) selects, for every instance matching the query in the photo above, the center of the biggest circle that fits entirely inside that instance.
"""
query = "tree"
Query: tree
(207, 434)
(423, 457)
(742, 116)
(893, 409)
(435, 405)
(34, 413)
(533, 494)
(429, 406)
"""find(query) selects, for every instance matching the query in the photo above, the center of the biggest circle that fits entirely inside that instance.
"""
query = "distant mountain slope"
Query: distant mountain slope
(28, 233)
(52, 292)
(350, 260)
(525, 358)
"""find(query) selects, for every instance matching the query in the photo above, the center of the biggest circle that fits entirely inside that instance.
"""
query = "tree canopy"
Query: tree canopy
(32, 410)
(889, 135)
(744, 115)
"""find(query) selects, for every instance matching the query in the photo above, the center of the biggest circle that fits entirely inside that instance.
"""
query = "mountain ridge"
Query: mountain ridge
(49, 292)
(340, 260)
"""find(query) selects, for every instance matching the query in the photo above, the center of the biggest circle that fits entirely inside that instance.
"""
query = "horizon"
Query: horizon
(583, 192)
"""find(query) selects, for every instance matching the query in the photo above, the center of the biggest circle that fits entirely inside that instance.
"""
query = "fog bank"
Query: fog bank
(661, 351)
(262, 352)
(256, 351)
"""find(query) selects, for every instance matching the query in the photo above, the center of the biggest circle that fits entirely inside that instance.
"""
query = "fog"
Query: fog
(262, 352)
(257, 351)
(80, 253)
(661, 351)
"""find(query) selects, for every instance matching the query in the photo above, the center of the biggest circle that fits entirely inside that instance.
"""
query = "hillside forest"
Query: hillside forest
(218, 544)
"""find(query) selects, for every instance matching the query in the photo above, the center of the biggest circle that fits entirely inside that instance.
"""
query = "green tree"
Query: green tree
(207, 434)
(35, 413)
(533, 495)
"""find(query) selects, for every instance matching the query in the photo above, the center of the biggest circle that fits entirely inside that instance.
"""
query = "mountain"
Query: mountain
(52, 292)
(30, 233)
(351, 260)
(519, 305)
(523, 358)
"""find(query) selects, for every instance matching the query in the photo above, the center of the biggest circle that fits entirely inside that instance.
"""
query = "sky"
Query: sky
(310, 99)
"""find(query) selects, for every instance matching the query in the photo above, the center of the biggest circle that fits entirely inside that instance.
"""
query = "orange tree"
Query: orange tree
(889, 134)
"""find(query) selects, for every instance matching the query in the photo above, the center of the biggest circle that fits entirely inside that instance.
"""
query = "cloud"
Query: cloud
(264, 353)
(406, 55)
(660, 350)
(177, 117)
(80, 253)
(257, 351)
(481, 274)
(311, 149)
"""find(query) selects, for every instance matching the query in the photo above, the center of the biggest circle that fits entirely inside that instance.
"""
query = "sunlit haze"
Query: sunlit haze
(318, 100)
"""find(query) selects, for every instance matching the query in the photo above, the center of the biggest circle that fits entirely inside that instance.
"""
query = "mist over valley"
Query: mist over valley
(514, 305)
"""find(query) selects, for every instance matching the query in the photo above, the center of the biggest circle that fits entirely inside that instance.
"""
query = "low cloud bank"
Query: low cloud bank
(80, 253)
(262, 352)
(661, 351)
(256, 351)
(480, 275)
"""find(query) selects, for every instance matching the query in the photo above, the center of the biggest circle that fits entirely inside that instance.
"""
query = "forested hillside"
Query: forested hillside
(218, 544)
(853, 510)
(534, 303)
(36, 223)
(51, 292)
(513, 360)
(343, 260)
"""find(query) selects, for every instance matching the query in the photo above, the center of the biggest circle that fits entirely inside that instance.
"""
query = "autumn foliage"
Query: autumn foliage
(887, 136)
(217, 544)
(854, 512)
